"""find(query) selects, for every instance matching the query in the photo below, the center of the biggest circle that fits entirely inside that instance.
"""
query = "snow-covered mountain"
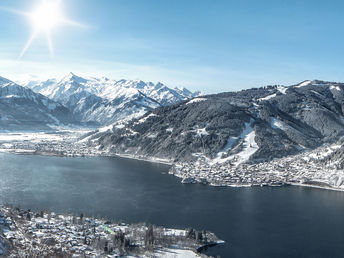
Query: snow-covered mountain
(23, 109)
(106, 101)
(236, 127)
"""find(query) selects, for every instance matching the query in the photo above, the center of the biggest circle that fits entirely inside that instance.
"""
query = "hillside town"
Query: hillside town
(314, 168)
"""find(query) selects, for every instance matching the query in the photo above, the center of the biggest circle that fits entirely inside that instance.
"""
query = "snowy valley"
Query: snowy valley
(274, 135)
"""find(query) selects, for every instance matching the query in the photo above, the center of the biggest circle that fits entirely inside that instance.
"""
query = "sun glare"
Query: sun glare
(46, 16)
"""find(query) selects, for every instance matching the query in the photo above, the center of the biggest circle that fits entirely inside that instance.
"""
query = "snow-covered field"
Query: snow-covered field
(62, 141)
(249, 147)
(33, 137)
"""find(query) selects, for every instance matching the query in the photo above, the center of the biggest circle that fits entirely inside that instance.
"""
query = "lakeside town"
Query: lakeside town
(313, 168)
(24, 233)
(310, 168)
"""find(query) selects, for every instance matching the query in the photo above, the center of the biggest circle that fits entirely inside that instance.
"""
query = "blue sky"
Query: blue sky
(210, 45)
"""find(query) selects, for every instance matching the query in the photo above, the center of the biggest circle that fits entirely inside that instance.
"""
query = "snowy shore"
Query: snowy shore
(310, 168)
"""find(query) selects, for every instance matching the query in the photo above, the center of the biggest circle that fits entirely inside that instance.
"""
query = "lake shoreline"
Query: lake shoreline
(135, 191)
(57, 154)
(156, 161)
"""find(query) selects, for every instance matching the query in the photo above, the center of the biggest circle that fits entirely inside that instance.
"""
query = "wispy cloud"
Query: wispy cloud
(14, 11)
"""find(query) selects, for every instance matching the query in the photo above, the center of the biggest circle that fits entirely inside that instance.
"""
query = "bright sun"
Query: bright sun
(46, 16)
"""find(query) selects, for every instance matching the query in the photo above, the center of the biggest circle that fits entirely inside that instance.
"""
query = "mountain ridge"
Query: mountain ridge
(106, 101)
(263, 123)
(23, 109)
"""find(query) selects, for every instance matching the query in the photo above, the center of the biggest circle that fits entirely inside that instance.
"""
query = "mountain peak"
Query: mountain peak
(71, 77)
(105, 100)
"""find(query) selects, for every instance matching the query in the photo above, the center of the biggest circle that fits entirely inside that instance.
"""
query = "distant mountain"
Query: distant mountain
(106, 101)
(23, 109)
(237, 127)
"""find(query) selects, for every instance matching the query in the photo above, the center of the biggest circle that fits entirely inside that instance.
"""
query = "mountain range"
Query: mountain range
(257, 124)
(152, 120)
(104, 101)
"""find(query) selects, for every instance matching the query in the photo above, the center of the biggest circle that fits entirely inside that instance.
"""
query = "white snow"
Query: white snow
(228, 146)
(202, 131)
(120, 126)
(118, 99)
(282, 89)
(8, 139)
(302, 84)
(10, 96)
(327, 151)
(106, 128)
(196, 100)
(249, 146)
(289, 130)
(332, 87)
(275, 123)
(317, 93)
(268, 97)
(175, 232)
(142, 120)
(176, 253)
(34, 137)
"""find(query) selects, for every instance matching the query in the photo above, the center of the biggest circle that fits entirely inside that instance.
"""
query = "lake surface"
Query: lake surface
(254, 222)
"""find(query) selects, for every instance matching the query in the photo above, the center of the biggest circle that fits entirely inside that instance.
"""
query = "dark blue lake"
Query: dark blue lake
(254, 222)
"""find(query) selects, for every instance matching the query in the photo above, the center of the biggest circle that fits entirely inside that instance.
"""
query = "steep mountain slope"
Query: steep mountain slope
(23, 109)
(37, 85)
(107, 101)
(260, 123)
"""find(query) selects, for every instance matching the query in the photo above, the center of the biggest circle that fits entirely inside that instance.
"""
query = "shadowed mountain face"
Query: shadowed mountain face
(23, 109)
(260, 123)
(106, 101)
